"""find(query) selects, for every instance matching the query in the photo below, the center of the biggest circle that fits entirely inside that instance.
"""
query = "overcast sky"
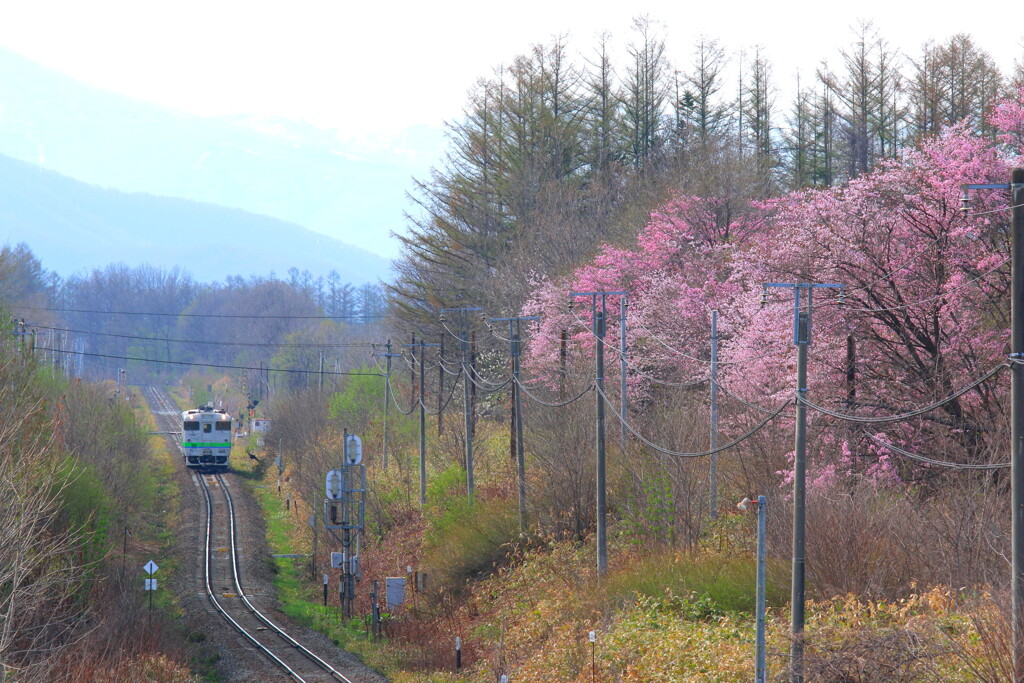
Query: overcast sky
(371, 70)
(377, 67)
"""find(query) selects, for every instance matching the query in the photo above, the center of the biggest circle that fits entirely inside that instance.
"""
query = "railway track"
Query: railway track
(222, 575)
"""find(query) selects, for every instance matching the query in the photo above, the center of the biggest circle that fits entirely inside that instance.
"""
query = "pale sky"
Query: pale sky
(371, 70)
(374, 68)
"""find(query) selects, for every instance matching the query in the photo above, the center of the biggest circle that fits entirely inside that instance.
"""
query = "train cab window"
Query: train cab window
(224, 426)
(207, 427)
(191, 426)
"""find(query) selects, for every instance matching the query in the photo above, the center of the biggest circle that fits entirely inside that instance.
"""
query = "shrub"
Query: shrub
(469, 542)
(712, 583)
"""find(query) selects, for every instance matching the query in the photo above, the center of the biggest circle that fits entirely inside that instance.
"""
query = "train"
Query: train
(206, 438)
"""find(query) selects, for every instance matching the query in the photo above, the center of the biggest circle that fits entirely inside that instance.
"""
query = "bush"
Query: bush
(692, 583)
(468, 542)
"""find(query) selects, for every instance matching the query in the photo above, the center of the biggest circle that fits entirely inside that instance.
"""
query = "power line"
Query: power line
(451, 394)
(211, 365)
(208, 315)
(395, 400)
(681, 385)
(700, 454)
(920, 302)
(931, 461)
(904, 416)
(553, 405)
(201, 341)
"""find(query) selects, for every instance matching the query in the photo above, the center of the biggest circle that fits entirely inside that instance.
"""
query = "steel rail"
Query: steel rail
(209, 589)
(169, 410)
(257, 613)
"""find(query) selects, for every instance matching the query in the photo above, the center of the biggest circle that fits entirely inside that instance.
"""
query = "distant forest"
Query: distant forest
(557, 155)
(94, 325)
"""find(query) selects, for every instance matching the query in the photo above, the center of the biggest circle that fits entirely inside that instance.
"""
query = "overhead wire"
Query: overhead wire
(990, 211)
(445, 404)
(205, 315)
(699, 454)
(483, 384)
(541, 401)
(931, 461)
(742, 400)
(681, 385)
(920, 302)
(904, 416)
(394, 400)
(217, 343)
(682, 354)
(211, 365)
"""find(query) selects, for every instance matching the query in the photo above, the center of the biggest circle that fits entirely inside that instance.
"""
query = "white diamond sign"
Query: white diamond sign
(151, 567)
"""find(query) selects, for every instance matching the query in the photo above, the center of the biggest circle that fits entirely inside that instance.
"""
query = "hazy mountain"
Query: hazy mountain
(72, 226)
(279, 168)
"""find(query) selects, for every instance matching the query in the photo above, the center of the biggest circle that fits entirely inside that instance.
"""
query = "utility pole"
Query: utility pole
(802, 339)
(440, 389)
(713, 476)
(514, 330)
(467, 403)
(563, 373)
(472, 386)
(387, 402)
(320, 381)
(423, 421)
(760, 667)
(599, 314)
(851, 371)
(1016, 188)
(623, 397)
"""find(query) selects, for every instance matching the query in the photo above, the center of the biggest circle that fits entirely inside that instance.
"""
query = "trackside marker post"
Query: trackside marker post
(150, 568)
(593, 655)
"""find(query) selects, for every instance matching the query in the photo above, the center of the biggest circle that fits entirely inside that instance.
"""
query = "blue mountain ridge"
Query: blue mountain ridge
(296, 172)
(73, 227)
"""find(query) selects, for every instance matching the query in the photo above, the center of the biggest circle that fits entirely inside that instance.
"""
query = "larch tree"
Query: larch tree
(645, 91)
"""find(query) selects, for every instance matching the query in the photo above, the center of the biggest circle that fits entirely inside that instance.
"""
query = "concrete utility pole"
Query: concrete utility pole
(467, 381)
(1016, 188)
(713, 439)
(760, 668)
(599, 314)
(1017, 419)
(802, 339)
(466, 389)
(514, 330)
(623, 396)
(387, 402)
(440, 389)
(423, 421)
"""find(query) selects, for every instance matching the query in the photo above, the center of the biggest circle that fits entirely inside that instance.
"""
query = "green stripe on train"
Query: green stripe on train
(196, 444)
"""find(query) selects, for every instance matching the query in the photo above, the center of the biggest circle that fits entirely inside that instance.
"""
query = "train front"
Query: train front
(206, 438)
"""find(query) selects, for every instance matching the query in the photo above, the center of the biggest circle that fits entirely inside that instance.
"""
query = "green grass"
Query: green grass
(709, 583)
(302, 599)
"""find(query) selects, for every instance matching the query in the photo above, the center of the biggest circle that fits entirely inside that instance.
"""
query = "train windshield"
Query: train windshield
(224, 426)
(207, 427)
(191, 426)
